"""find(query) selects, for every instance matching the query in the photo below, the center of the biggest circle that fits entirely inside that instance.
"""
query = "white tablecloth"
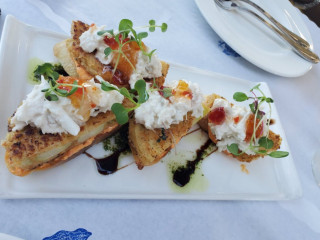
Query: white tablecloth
(195, 44)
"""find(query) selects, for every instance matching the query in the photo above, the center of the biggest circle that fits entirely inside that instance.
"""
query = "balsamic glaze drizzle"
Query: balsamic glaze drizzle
(108, 165)
(182, 175)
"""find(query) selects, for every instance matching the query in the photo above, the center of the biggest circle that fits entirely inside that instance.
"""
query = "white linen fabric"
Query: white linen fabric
(189, 41)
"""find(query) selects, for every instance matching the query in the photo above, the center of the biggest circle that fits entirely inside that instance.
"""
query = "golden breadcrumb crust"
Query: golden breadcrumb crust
(149, 146)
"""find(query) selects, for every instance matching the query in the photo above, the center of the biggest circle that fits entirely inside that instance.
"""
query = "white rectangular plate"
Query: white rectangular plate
(268, 178)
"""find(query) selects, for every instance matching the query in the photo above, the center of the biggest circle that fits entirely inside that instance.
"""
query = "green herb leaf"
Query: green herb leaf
(278, 154)
(142, 35)
(140, 86)
(42, 69)
(152, 27)
(51, 97)
(125, 26)
(116, 37)
(45, 90)
(265, 143)
(134, 33)
(73, 89)
(252, 107)
(107, 51)
(240, 96)
(150, 53)
(255, 87)
(121, 113)
(167, 92)
(63, 92)
(101, 33)
(106, 86)
(234, 149)
(164, 27)
(269, 100)
(54, 75)
(59, 69)
(261, 151)
(47, 70)
(125, 93)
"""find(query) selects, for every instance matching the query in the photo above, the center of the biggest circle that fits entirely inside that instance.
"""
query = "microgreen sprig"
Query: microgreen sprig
(137, 96)
(264, 143)
(127, 34)
(165, 92)
(47, 70)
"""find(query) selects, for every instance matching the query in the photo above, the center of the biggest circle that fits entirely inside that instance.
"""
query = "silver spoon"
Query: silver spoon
(305, 53)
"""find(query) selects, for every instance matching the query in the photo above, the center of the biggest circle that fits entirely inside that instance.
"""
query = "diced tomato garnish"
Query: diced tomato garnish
(250, 128)
(217, 116)
(111, 42)
(236, 119)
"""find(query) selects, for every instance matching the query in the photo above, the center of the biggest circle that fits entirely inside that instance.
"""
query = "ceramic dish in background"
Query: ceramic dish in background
(256, 42)
(269, 178)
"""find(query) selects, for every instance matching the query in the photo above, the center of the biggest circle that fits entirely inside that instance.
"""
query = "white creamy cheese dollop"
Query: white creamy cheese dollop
(102, 99)
(230, 131)
(90, 41)
(50, 116)
(146, 68)
(159, 112)
(60, 116)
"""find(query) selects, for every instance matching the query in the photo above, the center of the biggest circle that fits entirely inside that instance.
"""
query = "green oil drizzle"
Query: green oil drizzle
(118, 141)
(32, 66)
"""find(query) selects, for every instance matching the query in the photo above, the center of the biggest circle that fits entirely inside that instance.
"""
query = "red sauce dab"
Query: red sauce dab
(250, 128)
(217, 116)
(236, 120)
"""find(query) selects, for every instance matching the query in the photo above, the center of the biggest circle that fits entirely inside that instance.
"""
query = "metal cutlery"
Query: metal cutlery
(294, 36)
(300, 49)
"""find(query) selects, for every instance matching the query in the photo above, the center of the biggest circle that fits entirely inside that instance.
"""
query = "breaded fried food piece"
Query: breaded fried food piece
(243, 157)
(29, 149)
(93, 66)
(149, 146)
(61, 51)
